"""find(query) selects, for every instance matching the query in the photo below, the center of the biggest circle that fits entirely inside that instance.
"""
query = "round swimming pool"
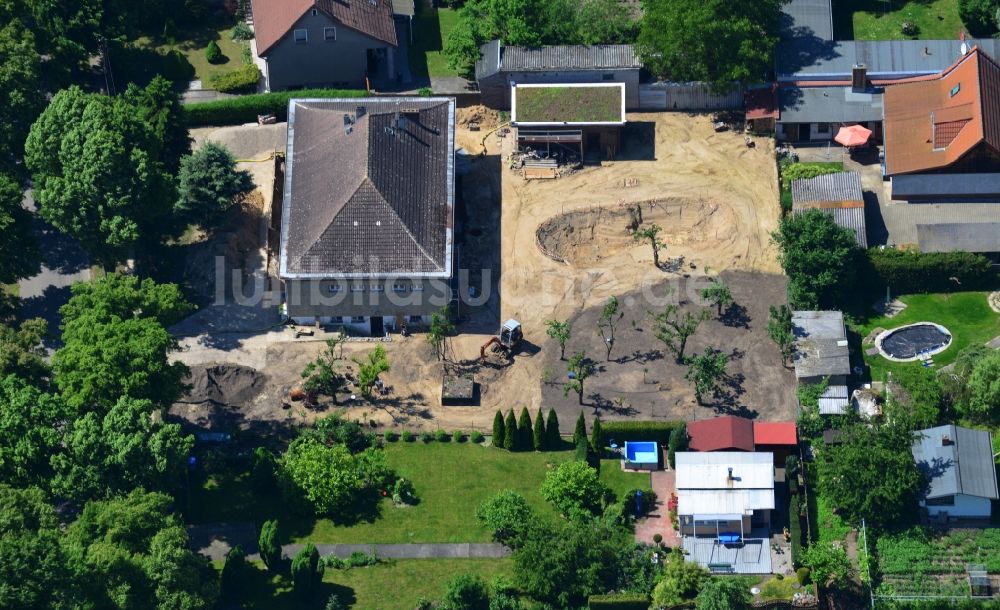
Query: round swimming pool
(913, 341)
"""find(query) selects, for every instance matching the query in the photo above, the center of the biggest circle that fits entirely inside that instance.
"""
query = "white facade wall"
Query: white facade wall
(965, 507)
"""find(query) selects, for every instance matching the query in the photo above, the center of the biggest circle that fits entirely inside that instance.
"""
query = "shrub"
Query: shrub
(242, 31)
(213, 53)
(795, 527)
(391, 437)
(270, 548)
(476, 437)
(507, 515)
(647, 502)
(804, 575)
(802, 171)
(779, 576)
(908, 28)
(403, 492)
(980, 16)
(425, 92)
(246, 55)
(657, 538)
(458, 436)
(406, 436)
(245, 108)
(908, 271)
(242, 80)
(426, 437)
(622, 431)
(307, 572)
(441, 436)
(618, 601)
(263, 468)
(466, 592)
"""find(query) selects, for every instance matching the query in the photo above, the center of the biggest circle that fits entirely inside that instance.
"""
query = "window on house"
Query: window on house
(301, 36)
(418, 288)
(357, 319)
(333, 288)
(607, 77)
(943, 501)
(357, 288)
(377, 288)
(329, 34)
(822, 128)
(314, 12)
(397, 287)
(336, 319)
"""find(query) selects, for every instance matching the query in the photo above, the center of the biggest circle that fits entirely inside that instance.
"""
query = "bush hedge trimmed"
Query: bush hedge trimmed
(243, 80)
(244, 109)
(620, 601)
(795, 527)
(908, 271)
(622, 431)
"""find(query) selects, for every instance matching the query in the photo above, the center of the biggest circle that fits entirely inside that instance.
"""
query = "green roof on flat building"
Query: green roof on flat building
(562, 104)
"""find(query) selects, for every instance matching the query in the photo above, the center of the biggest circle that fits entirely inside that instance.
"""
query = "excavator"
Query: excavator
(505, 342)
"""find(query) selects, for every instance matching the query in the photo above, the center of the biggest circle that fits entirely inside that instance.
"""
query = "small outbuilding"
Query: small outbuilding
(822, 353)
(724, 433)
(838, 194)
(958, 465)
(780, 438)
(569, 117)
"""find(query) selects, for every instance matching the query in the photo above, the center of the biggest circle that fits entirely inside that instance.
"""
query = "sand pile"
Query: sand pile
(486, 117)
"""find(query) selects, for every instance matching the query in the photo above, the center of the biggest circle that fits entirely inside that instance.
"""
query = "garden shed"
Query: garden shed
(575, 118)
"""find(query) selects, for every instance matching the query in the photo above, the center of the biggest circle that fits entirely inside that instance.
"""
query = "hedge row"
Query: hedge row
(622, 431)
(245, 108)
(908, 271)
(620, 601)
(795, 527)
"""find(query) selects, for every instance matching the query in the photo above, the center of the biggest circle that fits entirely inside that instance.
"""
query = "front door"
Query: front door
(378, 326)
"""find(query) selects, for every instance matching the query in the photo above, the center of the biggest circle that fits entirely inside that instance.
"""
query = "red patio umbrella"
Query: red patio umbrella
(853, 135)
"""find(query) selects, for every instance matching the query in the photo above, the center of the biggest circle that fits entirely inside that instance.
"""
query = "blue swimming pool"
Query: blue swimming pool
(642, 452)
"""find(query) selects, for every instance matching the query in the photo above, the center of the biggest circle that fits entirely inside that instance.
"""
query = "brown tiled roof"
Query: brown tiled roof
(723, 433)
(932, 123)
(272, 19)
(369, 193)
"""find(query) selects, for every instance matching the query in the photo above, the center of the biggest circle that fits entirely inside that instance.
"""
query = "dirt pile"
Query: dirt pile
(224, 384)
(486, 117)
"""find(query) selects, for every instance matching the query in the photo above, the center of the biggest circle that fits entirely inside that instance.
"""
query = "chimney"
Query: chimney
(729, 477)
(859, 78)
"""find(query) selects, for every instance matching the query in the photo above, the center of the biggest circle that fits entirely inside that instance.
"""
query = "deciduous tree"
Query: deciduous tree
(22, 352)
(674, 331)
(575, 489)
(651, 234)
(98, 175)
(29, 432)
(705, 371)
(560, 332)
(611, 315)
(466, 592)
(441, 328)
(19, 256)
(330, 479)
(718, 294)
(579, 369)
(871, 474)
(828, 565)
(376, 363)
(719, 41)
(21, 96)
(779, 329)
(723, 594)
(322, 375)
(507, 514)
(984, 389)
(681, 580)
(819, 257)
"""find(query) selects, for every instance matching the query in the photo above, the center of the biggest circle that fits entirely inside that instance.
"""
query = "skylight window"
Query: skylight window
(955, 90)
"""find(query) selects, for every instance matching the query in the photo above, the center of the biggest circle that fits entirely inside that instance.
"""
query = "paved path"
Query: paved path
(658, 522)
(215, 539)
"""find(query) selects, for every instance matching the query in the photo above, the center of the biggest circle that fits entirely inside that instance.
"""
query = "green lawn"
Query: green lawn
(451, 480)
(965, 314)
(180, 56)
(883, 20)
(431, 27)
(392, 586)
(786, 193)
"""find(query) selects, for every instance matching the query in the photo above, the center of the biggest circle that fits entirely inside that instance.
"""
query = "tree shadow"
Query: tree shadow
(131, 63)
(736, 316)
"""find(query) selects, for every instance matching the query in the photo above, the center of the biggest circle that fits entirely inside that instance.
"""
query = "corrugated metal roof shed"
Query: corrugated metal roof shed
(834, 400)
(956, 460)
(808, 18)
(960, 236)
(838, 186)
(834, 104)
(489, 59)
(569, 57)
(808, 58)
(715, 502)
(820, 344)
(751, 470)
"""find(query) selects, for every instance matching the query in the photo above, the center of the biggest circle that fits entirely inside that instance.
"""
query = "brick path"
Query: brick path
(658, 522)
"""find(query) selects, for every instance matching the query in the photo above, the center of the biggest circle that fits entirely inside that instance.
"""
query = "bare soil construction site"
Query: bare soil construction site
(716, 202)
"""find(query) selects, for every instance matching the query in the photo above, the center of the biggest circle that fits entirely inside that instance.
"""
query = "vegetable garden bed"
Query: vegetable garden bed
(928, 562)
